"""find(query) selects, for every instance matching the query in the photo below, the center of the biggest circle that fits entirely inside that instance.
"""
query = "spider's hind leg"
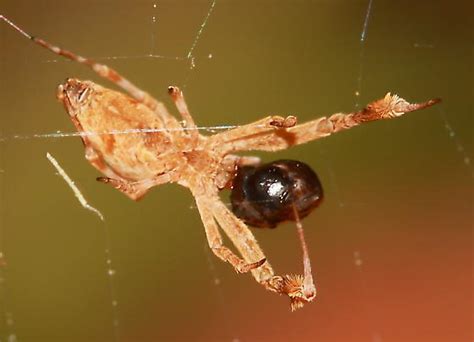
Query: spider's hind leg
(242, 238)
(300, 289)
(214, 239)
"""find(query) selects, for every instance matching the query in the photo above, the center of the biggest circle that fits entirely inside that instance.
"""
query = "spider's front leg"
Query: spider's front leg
(263, 126)
(107, 73)
(252, 137)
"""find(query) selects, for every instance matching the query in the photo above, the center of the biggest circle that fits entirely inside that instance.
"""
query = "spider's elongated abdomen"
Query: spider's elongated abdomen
(120, 133)
(266, 195)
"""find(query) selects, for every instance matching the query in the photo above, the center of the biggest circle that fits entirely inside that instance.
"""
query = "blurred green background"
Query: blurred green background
(391, 246)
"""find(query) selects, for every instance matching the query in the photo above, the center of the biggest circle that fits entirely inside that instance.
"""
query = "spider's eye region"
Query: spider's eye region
(266, 195)
(82, 94)
(75, 92)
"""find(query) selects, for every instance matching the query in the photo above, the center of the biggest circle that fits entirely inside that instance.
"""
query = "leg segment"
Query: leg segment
(215, 240)
(242, 238)
(266, 125)
(135, 190)
(189, 125)
(229, 164)
(298, 288)
(252, 137)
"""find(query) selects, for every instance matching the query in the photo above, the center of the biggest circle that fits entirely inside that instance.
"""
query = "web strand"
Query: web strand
(457, 142)
(190, 57)
(362, 39)
(153, 33)
(7, 322)
(59, 134)
(201, 29)
(366, 22)
(107, 252)
(364, 290)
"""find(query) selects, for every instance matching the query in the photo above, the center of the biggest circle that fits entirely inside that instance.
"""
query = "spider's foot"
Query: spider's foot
(244, 267)
(281, 122)
(294, 287)
(391, 106)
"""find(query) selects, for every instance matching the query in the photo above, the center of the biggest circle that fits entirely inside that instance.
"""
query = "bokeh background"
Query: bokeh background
(391, 246)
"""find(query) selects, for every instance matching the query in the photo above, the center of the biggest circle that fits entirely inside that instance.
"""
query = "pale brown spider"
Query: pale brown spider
(159, 149)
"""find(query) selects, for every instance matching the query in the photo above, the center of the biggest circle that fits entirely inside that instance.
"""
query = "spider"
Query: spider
(162, 149)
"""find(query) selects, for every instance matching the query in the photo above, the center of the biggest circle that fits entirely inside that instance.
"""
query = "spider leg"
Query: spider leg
(242, 238)
(266, 125)
(101, 70)
(135, 190)
(254, 138)
(300, 289)
(214, 239)
(189, 125)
